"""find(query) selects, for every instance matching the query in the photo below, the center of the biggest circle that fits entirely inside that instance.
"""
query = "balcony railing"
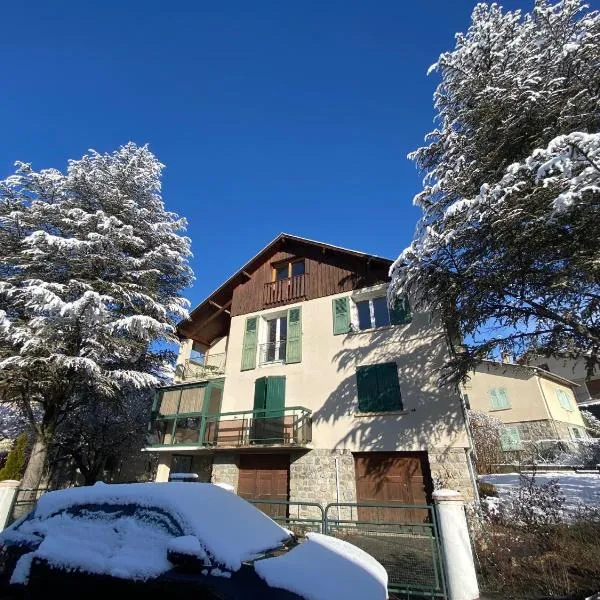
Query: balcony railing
(272, 352)
(285, 290)
(213, 365)
(287, 426)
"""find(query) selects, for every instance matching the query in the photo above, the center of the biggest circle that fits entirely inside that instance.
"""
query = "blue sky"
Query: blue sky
(270, 116)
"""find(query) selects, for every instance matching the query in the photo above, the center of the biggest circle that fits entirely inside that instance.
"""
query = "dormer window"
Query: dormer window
(288, 269)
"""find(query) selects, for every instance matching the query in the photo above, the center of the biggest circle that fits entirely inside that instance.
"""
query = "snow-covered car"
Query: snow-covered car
(174, 540)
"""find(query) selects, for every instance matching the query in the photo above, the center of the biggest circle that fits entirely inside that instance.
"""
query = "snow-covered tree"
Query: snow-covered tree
(507, 247)
(92, 271)
(592, 422)
(486, 431)
(103, 431)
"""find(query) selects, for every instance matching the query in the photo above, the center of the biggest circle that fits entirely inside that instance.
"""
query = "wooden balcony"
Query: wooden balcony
(287, 427)
(284, 291)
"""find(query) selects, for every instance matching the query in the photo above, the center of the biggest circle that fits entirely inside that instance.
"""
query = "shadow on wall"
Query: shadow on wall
(434, 418)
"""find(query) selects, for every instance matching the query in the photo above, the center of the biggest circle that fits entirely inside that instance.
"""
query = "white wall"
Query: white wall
(325, 382)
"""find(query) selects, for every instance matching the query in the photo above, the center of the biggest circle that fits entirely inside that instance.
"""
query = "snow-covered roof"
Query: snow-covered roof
(231, 529)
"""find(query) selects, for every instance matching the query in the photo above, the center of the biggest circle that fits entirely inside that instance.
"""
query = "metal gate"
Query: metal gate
(298, 517)
(403, 538)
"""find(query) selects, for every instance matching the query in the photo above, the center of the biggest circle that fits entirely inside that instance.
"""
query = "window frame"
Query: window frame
(286, 263)
(494, 390)
(511, 429)
(564, 400)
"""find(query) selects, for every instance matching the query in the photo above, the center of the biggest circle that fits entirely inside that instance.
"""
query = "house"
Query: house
(295, 382)
(533, 403)
(575, 369)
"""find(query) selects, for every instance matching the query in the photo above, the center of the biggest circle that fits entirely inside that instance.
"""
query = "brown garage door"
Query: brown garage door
(399, 477)
(265, 477)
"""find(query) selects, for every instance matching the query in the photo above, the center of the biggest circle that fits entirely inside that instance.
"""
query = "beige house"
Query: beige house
(588, 392)
(296, 382)
(533, 403)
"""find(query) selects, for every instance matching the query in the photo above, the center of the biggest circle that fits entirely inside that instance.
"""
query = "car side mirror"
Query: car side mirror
(187, 553)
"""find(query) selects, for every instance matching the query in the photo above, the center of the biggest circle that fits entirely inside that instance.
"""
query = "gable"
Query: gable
(327, 272)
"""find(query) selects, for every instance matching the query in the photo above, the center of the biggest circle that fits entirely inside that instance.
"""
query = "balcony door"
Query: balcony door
(269, 410)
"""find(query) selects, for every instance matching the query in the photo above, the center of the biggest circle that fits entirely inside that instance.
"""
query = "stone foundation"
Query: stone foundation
(450, 470)
(225, 469)
(313, 479)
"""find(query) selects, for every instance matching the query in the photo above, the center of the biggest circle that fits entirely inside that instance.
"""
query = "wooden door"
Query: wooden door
(265, 477)
(393, 477)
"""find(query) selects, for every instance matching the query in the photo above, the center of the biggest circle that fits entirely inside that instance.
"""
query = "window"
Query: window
(510, 438)
(576, 433)
(378, 388)
(274, 349)
(373, 313)
(563, 399)
(288, 269)
(499, 399)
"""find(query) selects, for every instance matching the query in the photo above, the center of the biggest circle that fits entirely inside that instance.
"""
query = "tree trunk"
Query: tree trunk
(32, 478)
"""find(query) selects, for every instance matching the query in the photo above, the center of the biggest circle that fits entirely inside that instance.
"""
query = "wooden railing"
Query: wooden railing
(285, 290)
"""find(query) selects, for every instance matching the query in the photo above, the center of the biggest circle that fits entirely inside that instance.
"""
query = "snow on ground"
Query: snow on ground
(318, 570)
(132, 547)
(578, 488)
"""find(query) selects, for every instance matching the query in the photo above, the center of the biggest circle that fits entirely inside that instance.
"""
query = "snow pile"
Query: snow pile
(122, 547)
(226, 486)
(230, 529)
(323, 568)
(579, 489)
(187, 544)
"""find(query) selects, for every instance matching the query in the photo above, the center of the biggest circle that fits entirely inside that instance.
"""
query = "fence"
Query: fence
(403, 538)
(25, 501)
(298, 517)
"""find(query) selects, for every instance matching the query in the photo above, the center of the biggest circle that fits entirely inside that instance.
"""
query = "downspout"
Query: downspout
(337, 486)
(470, 449)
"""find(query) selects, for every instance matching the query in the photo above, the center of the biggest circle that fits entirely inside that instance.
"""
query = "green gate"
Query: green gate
(298, 517)
(403, 538)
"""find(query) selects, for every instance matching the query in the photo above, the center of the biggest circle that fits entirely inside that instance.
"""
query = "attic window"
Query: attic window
(288, 269)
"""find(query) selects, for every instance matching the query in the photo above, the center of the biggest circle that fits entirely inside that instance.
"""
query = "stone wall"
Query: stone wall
(450, 470)
(537, 430)
(313, 479)
(225, 469)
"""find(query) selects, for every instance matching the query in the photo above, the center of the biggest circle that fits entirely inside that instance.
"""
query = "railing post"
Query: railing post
(457, 555)
(8, 493)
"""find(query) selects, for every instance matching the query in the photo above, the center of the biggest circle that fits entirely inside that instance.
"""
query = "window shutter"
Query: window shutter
(293, 351)
(564, 399)
(275, 399)
(510, 439)
(400, 311)
(494, 402)
(366, 385)
(260, 393)
(249, 346)
(502, 397)
(388, 387)
(341, 315)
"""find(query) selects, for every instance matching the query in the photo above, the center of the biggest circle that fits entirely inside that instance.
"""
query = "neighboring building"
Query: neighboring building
(575, 369)
(294, 381)
(533, 403)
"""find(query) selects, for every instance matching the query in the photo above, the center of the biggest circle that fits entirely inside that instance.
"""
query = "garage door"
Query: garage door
(399, 477)
(265, 477)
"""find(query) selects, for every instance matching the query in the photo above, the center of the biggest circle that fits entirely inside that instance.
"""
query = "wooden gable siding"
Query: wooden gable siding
(327, 273)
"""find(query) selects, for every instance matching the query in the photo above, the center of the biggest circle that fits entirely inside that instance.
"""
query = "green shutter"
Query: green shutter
(388, 387)
(510, 439)
(275, 399)
(499, 399)
(564, 399)
(366, 385)
(293, 351)
(400, 311)
(378, 388)
(260, 393)
(249, 347)
(341, 315)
